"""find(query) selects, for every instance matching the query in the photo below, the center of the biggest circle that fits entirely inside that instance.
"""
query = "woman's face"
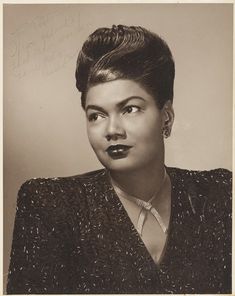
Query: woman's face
(124, 126)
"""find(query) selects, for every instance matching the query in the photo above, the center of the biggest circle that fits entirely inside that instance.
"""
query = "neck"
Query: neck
(141, 183)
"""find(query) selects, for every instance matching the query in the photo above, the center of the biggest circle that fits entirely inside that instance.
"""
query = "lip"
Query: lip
(118, 151)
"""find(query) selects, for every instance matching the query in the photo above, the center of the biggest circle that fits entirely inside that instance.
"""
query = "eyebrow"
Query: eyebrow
(119, 105)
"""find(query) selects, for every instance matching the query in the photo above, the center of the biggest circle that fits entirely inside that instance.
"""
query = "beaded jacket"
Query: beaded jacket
(72, 235)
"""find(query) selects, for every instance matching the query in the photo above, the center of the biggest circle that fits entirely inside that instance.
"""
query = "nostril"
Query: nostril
(116, 136)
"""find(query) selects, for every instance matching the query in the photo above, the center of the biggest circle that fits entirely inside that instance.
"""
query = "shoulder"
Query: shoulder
(54, 193)
(59, 184)
(216, 178)
(206, 189)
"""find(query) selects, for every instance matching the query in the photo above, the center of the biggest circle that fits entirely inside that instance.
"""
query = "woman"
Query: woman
(136, 226)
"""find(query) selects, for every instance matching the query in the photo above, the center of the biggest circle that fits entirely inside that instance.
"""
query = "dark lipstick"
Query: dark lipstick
(118, 151)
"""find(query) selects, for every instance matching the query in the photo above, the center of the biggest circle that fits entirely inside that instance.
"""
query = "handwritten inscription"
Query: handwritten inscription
(46, 43)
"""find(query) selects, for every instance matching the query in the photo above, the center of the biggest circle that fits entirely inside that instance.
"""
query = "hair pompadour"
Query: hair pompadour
(123, 52)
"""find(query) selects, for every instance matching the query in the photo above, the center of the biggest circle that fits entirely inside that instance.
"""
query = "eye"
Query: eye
(131, 109)
(94, 116)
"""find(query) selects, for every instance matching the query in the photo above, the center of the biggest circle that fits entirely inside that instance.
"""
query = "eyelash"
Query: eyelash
(94, 116)
(131, 107)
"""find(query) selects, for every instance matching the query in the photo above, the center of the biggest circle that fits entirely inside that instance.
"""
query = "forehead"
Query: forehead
(114, 92)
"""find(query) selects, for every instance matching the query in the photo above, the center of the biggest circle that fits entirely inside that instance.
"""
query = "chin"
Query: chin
(126, 164)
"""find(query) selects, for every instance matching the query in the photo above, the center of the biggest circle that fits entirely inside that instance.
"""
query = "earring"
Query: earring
(166, 131)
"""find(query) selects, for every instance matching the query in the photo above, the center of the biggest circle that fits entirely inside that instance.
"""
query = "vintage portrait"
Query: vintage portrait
(118, 148)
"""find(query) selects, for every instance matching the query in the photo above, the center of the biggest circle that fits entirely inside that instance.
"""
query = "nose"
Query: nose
(115, 129)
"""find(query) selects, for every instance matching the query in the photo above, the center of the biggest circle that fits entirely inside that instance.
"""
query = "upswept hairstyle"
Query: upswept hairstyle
(123, 52)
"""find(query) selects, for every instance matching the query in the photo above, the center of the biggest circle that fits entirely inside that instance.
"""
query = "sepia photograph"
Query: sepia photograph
(117, 148)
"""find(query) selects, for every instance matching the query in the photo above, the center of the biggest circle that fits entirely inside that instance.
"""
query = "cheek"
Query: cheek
(146, 130)
(90, 135)
(94, 137)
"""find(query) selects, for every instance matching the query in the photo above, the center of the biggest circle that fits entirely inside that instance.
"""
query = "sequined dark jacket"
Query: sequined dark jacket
(72, 235)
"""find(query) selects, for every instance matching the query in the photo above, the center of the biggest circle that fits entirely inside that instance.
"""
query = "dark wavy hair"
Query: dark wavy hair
(123, 52)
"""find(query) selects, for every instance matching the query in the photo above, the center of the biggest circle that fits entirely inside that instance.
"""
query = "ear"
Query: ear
(168, 116)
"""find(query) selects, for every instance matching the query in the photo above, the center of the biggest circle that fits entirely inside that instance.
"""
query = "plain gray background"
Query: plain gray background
(44, 125)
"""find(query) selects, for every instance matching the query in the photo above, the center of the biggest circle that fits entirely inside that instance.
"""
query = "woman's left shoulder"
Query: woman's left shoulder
(219, 176)
(208, 188)
(215, 178)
